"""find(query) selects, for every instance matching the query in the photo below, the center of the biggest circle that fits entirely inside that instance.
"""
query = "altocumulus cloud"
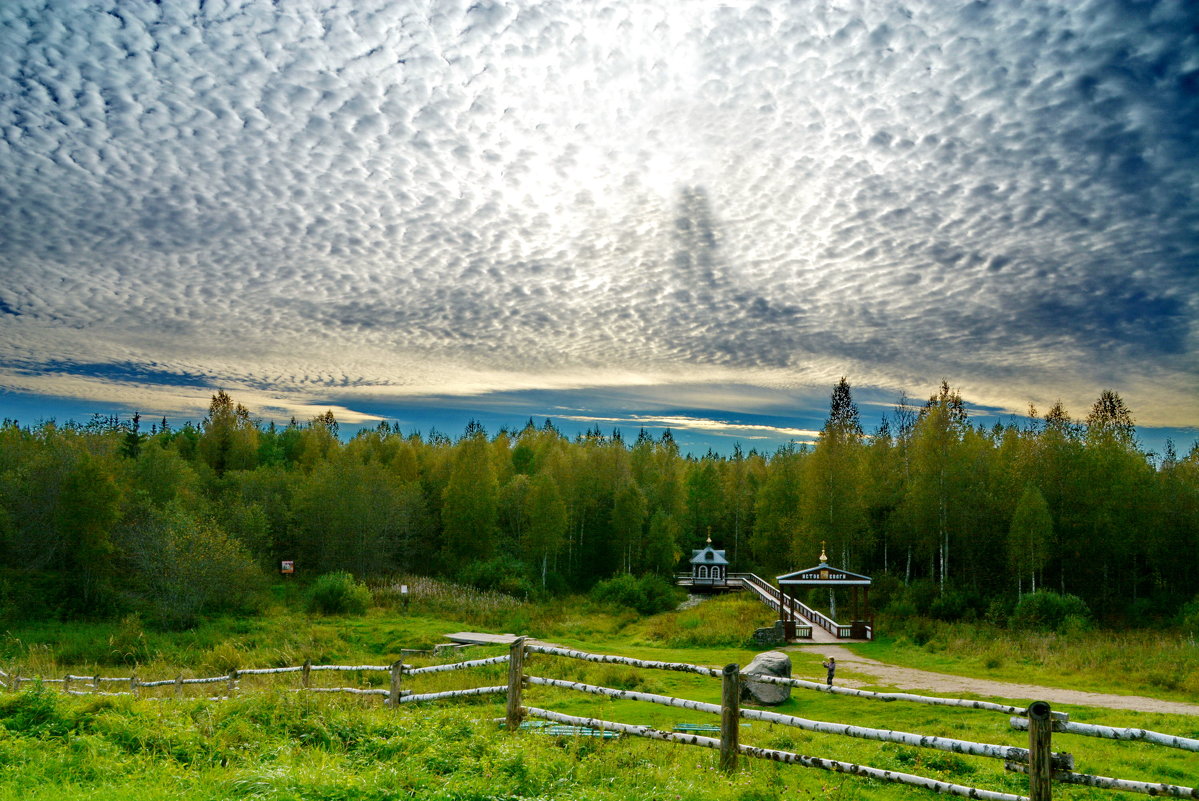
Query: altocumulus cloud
(386, 198)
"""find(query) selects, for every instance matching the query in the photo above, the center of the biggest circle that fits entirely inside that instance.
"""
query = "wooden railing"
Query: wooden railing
(1039, 761)
(394, 695)
(1042, 765)
(769, 595)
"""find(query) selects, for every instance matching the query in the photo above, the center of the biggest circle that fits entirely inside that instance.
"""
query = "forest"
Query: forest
(952, 519)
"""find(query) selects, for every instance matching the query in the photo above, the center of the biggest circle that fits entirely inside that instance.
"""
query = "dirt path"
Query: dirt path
(912, 679)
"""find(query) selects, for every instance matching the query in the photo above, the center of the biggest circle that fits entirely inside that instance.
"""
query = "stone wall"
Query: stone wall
(770, 637)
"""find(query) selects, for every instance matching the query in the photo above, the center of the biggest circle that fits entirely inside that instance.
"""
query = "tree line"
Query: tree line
(104, 518)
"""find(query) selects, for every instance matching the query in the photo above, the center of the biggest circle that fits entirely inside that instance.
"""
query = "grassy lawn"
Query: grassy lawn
(274, 744)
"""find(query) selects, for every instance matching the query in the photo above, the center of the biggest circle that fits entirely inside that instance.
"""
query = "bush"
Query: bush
(648, 595)
(1047, 611)
(885, 590)
(505, 574)
(921, 594)
(182, 565)
(999, 610)
(1188, 618)
(338, 594)
(956, 605)
(34, 713)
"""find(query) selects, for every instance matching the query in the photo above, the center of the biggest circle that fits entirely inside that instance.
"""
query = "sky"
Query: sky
(626, 214)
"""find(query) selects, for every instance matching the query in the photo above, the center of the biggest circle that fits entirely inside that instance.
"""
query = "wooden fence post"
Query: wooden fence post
(306, 678)
(96, 683)
(397, 680)
(179, 686)
(730, 717)
(66, 684)
(516, 666)
(133, 685)
(1040, 731)
(232, 682)
(16, 682)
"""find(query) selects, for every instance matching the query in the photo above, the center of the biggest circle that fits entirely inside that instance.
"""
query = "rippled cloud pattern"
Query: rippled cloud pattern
(387, 198)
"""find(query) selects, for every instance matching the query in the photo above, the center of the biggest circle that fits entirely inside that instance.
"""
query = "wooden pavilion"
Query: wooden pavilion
(861, 622)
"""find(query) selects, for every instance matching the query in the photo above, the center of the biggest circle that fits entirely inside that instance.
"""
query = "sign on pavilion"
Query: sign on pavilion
(793, 585)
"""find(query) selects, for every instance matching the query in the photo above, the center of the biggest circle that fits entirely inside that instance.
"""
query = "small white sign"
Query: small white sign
(403, 589)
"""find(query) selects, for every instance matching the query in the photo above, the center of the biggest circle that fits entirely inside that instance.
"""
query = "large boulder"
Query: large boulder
(768, 663)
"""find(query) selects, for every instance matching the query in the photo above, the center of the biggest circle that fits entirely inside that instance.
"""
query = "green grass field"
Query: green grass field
(1160, 664)
(270, 743)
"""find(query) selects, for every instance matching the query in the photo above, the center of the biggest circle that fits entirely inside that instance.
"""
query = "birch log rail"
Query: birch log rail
(1112, 733)
(408, 699)
(1106, 783)
(777, 756)
(1004, 752)
(960, 703)
(495, 660)
(1049, 766)
(681, 667)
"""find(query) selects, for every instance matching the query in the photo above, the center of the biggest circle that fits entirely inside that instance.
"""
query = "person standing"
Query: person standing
(831, 666)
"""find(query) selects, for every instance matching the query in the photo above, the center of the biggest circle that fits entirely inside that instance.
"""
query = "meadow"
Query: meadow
(270, 743)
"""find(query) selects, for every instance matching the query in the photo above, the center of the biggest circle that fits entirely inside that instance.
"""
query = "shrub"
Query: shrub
(1047, 611)
(921, 594)
(660, 594)
(899, 609)
(998, 612)
(128, 644)
(183, 565)
(505, 574)
(338, 594)
(886, 588)
(1188, 618)
(951, 606)
(648, 595)
(35, 713)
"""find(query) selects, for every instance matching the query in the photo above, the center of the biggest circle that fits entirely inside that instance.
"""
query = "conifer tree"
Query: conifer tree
(230, 439)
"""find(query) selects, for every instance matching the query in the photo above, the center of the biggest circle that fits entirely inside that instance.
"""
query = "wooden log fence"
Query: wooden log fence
(1042, 765)
(1004, 752)
(1040, 727)
(91, 684)
(584, 656)
(410, 699)
(1112, 733)
(730, 714)
(1038, 761)
(1125, 785)
(777, 756)
(959, 703)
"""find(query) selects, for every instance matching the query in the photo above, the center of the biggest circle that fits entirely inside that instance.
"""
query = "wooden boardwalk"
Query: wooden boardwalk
(483, 638)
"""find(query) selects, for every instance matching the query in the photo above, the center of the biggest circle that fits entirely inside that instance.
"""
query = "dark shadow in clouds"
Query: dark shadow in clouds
(1116, 315)
(121, 372)
(697, 239)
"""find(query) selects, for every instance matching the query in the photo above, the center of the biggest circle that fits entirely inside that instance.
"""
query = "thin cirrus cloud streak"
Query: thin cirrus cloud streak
(306, 201)
(723, 428)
